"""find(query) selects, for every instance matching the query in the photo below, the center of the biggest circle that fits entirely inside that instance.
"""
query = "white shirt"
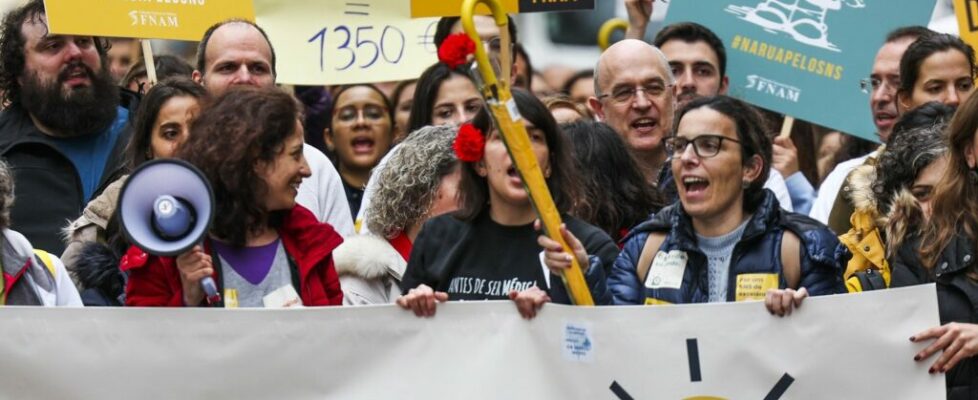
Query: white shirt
(775, 182)
(323, 193)
(829, 189)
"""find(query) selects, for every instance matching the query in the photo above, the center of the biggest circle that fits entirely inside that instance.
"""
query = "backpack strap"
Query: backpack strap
(791, 259)
(45, 258)
(652, 245)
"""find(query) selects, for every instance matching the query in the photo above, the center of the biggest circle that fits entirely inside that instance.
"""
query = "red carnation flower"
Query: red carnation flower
(469, 144)
(134, 258)
(455, 49)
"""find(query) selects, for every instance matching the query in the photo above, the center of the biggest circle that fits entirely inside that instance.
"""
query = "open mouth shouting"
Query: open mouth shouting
(362, 145)
(645, 125)
(694, 187)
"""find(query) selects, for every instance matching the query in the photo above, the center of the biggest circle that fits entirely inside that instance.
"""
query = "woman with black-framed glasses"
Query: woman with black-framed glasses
(727, 238)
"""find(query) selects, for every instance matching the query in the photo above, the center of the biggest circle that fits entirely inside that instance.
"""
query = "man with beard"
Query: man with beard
(64, 132)
(238, 53)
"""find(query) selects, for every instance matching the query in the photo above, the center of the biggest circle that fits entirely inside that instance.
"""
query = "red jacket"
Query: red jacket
(155, 281)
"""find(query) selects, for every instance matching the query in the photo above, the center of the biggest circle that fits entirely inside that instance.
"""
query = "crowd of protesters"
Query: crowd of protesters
(671, 192)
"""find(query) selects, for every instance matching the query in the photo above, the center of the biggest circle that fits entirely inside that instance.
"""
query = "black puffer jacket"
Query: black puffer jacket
(957, 298)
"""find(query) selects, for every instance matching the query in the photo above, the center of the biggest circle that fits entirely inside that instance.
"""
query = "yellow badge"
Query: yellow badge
(755, 286)
(651, 301)
(230, 298)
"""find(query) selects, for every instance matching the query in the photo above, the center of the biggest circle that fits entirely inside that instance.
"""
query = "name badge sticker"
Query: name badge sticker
(283, 297)
(755, 286)
(667, 270)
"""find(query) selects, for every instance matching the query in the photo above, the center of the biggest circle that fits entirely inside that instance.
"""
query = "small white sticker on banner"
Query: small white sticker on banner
(578, 344)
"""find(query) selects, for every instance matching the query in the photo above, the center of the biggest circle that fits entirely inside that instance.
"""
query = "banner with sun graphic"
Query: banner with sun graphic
(835, 347)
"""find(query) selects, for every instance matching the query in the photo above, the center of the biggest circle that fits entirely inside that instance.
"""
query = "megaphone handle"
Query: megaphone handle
(210, 290)
(207, 283)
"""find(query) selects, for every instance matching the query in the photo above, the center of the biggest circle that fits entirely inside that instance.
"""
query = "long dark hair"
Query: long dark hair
(924, 47)
(426, 93)
(474, 189)
(240, 128)
(149, 110)
(616, 196)
(954, 207)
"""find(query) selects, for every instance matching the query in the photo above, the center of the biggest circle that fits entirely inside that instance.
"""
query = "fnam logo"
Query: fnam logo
(777, 89)
(154, 19)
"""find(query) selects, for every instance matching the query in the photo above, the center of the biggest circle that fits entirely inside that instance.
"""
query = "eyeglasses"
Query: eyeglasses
(627, 94)
(870, 85)
(705, 146)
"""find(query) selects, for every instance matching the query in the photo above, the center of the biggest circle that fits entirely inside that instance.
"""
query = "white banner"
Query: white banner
(837, 347)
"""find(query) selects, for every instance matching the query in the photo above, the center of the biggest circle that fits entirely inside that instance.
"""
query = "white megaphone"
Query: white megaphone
(165, 208)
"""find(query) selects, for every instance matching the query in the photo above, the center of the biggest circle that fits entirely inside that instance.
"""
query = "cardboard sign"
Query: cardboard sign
(452, 8)
(804, 58)
(143, 19)
(967, 13)
(331, 42)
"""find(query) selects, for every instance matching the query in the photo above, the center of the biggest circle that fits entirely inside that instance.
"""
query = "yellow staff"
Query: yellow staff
(608, 28)
(503, 108)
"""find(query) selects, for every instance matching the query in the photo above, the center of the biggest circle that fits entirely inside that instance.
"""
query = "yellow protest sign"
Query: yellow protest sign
(967, 13)
(144, 19)
(451, 8)
(331, 42)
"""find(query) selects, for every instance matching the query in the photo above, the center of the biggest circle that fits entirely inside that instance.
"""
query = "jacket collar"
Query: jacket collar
(307, 240)
(674, 220)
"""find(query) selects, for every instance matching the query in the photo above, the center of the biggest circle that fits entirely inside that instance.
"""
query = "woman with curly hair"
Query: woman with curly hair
(488, 249)
(261, 244)
(944, 253)
(443, 96)
(915, 142)
(419, 183)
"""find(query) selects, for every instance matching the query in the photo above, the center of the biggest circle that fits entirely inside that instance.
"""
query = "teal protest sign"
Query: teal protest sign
(804, 58)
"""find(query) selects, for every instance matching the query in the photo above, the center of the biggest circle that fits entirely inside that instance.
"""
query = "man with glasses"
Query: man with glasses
(829, 207)
(633, 95)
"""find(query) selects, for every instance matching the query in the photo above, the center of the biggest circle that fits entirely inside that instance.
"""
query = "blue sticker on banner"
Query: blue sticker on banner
(578, 345)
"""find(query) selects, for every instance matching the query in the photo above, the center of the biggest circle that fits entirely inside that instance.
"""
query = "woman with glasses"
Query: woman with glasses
(360, 132)
(726, 239)
(943, 252)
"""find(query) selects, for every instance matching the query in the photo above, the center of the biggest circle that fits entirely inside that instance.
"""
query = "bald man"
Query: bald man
(238, 53)
(633, 94)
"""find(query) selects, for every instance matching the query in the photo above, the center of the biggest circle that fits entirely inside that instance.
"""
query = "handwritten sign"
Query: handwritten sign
(805, 58)
(340, 42)
(144, 19)
(967, 13)
(452, 8)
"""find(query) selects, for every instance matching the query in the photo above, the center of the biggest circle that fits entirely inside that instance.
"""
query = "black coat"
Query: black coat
(957, 298)
(47, 186)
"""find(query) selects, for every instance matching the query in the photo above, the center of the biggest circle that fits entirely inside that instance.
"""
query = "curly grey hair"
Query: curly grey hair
(6, 193)
(407, 185)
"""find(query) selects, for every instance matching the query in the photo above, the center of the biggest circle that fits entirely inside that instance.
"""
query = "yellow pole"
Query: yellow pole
(508, 120)
(607, 29)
